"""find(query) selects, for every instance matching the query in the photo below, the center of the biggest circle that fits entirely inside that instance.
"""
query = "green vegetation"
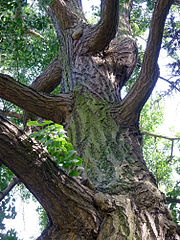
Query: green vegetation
(28, 43)
(53, 137)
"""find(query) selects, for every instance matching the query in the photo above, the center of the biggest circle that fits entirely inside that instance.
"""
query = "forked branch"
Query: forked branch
(98, 37)
(141, 90)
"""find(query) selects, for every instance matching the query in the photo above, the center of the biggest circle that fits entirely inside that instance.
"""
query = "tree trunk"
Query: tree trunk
(125, 204)
(121, 199)
(127, 196)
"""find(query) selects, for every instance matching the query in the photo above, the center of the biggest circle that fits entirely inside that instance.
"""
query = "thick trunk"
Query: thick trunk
(126, 203)
(112, 154)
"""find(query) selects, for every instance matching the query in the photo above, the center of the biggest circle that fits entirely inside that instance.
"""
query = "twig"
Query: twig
(173, 84)
(172, 200)
(35, 34)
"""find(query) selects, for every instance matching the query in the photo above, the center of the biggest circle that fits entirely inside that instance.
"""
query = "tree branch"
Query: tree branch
(121, 54)
(50, 78)
(124, 27)
(173, 84)
(98, 37)
(5, 192)
(35, 34)
(63, 11)
(11, 114)
(46, 82)
(142, 88)
(59, 194)
(57, 108)
(172, 200)
(160, 136)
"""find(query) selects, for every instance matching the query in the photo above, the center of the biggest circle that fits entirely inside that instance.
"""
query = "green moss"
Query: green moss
(96, 137)
(124, 225)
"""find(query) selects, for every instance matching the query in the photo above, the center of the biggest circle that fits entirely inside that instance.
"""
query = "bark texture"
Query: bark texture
(121, 199)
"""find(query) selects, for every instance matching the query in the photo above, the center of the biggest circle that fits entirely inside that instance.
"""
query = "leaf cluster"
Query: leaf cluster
(53, 137)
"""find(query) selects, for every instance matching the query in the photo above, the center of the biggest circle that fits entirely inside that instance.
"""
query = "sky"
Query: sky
(26, 226)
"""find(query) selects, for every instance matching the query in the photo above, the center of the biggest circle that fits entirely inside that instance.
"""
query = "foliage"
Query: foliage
(7, 211)
(54, 138)
(157, 153)
(43, 218)
(175, 193)
(25, 55)
(20, 49)
(7, 205)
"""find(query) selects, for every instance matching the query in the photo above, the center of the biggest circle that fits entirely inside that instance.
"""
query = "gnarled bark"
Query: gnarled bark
(77, 212)
(124, 202)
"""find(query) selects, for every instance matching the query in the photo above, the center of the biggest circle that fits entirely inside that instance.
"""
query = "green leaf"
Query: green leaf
(73, 173)
(71, 154)
(32, 123)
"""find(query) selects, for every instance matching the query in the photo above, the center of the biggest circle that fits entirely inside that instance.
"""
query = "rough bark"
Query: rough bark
(77, 212)
(46, 82)
(124, 202)
(56, 108)
(69, 204)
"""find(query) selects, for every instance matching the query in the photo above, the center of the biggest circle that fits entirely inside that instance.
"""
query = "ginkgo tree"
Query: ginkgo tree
(116, 196)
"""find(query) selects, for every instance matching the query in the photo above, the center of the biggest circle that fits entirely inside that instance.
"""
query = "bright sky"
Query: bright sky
(26, 222)
(88, 3)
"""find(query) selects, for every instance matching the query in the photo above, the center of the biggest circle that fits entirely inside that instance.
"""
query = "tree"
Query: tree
(117, 196)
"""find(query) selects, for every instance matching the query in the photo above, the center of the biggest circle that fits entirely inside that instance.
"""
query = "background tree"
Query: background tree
(94, 62)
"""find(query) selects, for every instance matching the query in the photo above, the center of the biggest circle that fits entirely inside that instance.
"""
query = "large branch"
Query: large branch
(57, 108)
(67, 12)
(68, 204)
(46, 82)
(124, 26)
(141, 90)
(50, 78)
(98, 37)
